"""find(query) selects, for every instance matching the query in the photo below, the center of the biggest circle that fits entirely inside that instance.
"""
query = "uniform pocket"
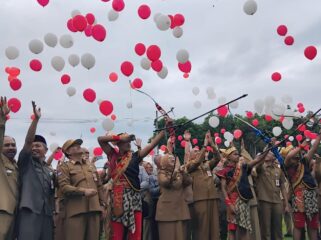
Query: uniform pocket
(76, 177)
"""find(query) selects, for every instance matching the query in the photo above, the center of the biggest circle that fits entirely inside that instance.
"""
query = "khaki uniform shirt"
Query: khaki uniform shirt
(8, 185)
(270, 179)
(72, 177)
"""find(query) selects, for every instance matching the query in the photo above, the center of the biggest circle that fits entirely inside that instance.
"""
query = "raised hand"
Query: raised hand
(187, 136)
(36, 112)
(4, 110)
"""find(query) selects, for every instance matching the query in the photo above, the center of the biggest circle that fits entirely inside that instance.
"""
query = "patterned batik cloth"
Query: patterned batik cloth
(243, 214)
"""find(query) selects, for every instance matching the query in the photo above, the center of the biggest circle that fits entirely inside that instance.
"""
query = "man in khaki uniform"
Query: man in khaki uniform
(269, 186)
(8, 178)
(82, 189)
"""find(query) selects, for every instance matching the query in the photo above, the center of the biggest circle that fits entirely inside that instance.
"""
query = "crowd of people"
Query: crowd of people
(210, 194)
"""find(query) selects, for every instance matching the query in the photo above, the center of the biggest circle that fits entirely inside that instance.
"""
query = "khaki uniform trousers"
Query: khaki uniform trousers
(175, 230)
(6, 226)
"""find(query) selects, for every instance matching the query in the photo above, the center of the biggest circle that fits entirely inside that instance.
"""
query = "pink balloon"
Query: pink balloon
(249, 114)
(300, 105)
(14, 71)
(237, 133)
(79, 22)
(289, 40)
(58, 155)
(183, 143)
(186, 75)
(90, 18)
(310, 52)
(157, 65)
(299, 137)
(35, 65)
(301, 110)
(178, 20)
(255, 122)
(113, 117)
(106, 107)
(92, 130)
(89, 95)
(118, 5)
(140, 49)
(276, 76)
(153, 53)
(15, 84)
(70, 25)
(185, 67)
(99, 32)
(127, 68)
(43, 2)
(144, 11)
(222, 131)
(194, 141)
(217, 134)
(65, 79)
(14, 104)
(137, 83)
(282, 30)
(88, 30)
(222, 111)
(180, 138)
(218, 140)
(268, 118)
(98, 151)
(113, 77)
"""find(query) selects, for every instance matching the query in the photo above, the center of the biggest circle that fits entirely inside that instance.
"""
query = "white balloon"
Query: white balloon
(130, 123)
(291, 138)
(210, 93)
(313, 141)
(73, 60)
(197, 104)
(269, 101)
(287, 123)
(234, 105)
(51, 40)
(75, 13)
(276, 131)
(129, 105)
(182, 56)
(88, 60)
(71, 91)
(287, 99)
(108, 124)
(145, 63)
(227, 143)
(278, 109)
(36, 46)
(58, 63)
(163, 73)
(12, 52)
(53, 147)
(221, 100)
(178, 32)
(156, 16)
(228, 136)
(52, 134)
(214, 121)
(250, 7)
(211, 96)
(113, 15)
(288, 113)
(259, 106)
(66, 41)
(195, 91)
(163, 22)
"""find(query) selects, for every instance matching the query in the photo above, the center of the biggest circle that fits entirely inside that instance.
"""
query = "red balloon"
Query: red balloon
(301, 110)
(70, 25)
(185, 67)
(99, 32)
(163, 148)
(127, 68)
(223, 130)
(140, 49)
(268, 118)
(15, 84)
(14, 104)
(35, 65)
(89, 95)
(310, 52)
(178, 20)
(186, 75)
(183, 143)
(65, 79)
(289, 40)
(255, 122)
(7, 69)
(14, 71)
(10, 78)
(237, 133)
(43, 2)
(118, 5)
(276, 76)
(172, 21)
(301, 128)
(307, 133)
(98, 151)
(58, 155)
(153, 53)
(144, 11)
(113, 77)
(92, 130)
(249, 114)
(179, 138)
(217, 134)
(90, 18)
(281, 119)
(222, 111)
(137, 83)
(89, 31)
(113, 117)
(157, 65)
(218, 140)
(300, 105)
(282, 30)
(194, 141)
(106, 107)
(32, 117)
(313, 135)
(79, 22)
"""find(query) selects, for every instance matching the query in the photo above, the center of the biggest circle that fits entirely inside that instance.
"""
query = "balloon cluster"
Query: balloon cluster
(175, 22)
(14, 82)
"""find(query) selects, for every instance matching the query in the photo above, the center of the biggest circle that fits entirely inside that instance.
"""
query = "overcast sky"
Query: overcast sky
(230, 51)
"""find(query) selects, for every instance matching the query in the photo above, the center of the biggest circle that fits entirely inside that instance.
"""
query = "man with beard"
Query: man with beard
(37, 187)
(8, 177)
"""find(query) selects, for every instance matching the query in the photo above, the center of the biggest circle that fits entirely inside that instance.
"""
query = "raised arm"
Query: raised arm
(187, 149)
(146, 150)
(258, 159)
(4, 111)
(33, 128)
(314, 148)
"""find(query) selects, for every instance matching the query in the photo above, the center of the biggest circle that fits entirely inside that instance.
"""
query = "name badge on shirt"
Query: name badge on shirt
(277, 182)
(209, 173)
(8, 171)
(95, 177)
